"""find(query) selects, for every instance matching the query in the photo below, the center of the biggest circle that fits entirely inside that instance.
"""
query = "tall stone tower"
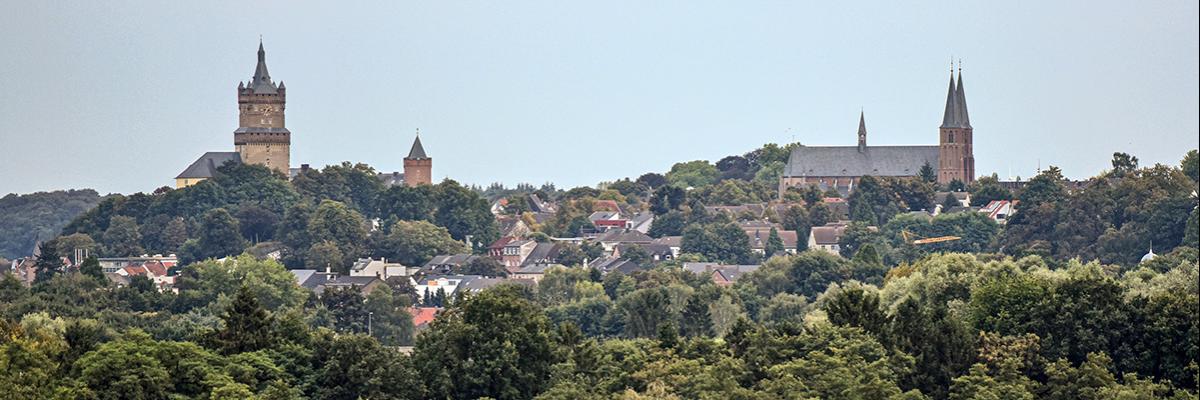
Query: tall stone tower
(418, 167)
(956, 159)
(261, 137)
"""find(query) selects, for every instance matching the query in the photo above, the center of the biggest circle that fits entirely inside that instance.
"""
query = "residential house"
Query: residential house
(543, 253)
(154, 270)
(537, 205)
(641, 221)
(515, 252)
(675, 243)
(443, 264)
(607, 220)
(612, 238)
(610, 264)
(448, 284)
(722, 274)
(319, 282)
(826, 237)
(113, 264)
(657, 252)
(422, 317)
(760, 236)
(1000, 210)
(496, 249)
(533, 272)
(963, 198)
(378, 268)
(512, 225)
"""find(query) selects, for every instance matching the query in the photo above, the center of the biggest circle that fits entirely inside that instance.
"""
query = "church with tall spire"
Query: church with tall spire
(956, 159)
(841, 167)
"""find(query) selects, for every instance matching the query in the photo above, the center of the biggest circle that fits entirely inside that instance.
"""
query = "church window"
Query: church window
(951, 139)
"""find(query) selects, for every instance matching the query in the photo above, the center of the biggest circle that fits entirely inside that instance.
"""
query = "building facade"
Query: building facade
(841, 167)
(262, 137)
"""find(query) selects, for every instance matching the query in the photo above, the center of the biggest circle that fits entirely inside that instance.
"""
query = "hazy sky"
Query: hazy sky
(122, 96)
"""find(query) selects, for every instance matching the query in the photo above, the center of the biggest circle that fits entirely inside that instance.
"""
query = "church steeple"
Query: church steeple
(961, 97)
(862, 132)
(950, 116)
(261, 81)
(956, 159)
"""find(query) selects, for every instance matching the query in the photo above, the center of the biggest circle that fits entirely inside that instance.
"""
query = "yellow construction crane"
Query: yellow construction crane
(908, 237)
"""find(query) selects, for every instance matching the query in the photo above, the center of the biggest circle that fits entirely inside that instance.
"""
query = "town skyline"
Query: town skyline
(530, 98)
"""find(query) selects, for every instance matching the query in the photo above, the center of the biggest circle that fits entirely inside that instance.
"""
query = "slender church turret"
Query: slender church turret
(261, 137)
(862, 132)
(418, 167)
(956, 159)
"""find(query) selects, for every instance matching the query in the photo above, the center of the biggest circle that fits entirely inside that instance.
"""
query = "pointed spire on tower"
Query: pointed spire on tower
(417, 152)
(261, 82)
(862, 131)
(964, 120)
(950, 117)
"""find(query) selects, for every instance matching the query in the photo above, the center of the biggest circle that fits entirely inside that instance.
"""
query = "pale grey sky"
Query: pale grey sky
(122, 95)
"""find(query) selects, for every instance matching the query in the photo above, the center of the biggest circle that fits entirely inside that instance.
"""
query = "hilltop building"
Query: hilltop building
(418, 167)
(840, 167)
(261, 137)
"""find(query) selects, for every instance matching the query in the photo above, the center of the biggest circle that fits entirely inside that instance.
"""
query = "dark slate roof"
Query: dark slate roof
(417, 152)
(206, 166)
(624, 236)
(261, 81)
(955, 115)
(391, 178)
(543, 252)
(849, 161)
(454, 259)
(961, 96)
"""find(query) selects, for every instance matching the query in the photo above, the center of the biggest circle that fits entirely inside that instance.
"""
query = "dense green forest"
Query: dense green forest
(1056, 304)
(29, 218)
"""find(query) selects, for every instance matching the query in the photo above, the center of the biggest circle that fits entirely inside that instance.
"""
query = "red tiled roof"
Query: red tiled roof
(134, 270)
(156, 268)
(501, 242)
(423, 315)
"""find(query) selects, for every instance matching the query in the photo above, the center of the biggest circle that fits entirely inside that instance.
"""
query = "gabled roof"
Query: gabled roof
(453, 259)
(624, 236)
(423, 315)
(827, 235)
(850, 161)
(672, 241)
(542, 252)
(206, 166)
